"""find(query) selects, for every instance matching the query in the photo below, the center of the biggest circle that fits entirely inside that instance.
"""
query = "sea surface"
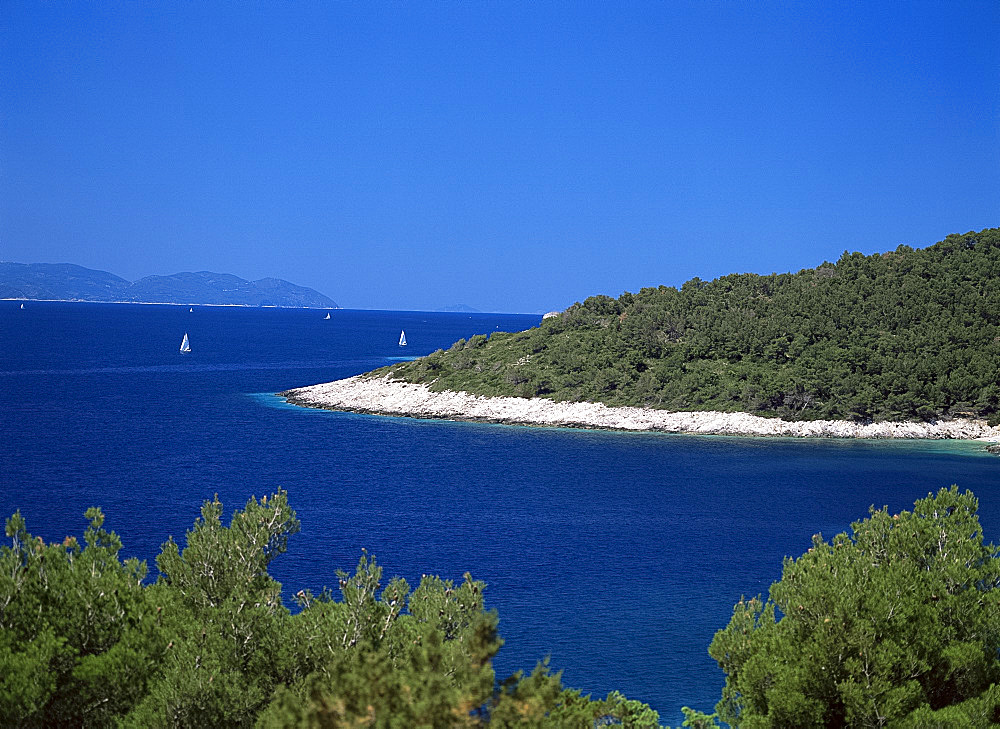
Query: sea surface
(618, 555)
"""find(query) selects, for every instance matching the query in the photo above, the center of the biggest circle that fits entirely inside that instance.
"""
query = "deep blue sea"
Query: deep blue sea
(617, 554)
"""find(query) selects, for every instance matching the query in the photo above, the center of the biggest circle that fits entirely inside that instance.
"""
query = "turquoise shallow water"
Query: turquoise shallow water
(617, 554)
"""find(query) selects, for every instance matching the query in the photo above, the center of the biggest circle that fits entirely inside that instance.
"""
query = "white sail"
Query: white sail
(402, 338)
(191, 310)
(22, 306)
(185, 344)
(327, 315)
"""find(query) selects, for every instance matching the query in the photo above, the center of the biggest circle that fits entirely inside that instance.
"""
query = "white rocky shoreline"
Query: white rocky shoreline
(386, 396)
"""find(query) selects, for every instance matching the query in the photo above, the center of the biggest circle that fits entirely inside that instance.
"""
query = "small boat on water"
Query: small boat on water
(327, 316)
(191, 310)
(185, 344)
(22, 306)
(402, 338)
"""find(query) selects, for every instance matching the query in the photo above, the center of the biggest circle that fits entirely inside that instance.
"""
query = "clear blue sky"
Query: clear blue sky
(508, 156)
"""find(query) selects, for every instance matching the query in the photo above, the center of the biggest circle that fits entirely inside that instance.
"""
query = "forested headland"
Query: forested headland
(894, 624)
(910, 334)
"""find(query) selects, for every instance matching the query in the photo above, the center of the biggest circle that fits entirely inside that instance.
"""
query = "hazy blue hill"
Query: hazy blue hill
(191, 288)
(276, 289)
(460, 309)
(69, 282)
(206, 287)
(58, 281)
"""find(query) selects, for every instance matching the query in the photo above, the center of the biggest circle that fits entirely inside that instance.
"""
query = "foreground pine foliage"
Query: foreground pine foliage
(86, 641)
(896, 624)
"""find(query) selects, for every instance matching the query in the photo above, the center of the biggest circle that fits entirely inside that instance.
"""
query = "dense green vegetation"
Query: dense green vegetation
(897, 624)
(910, 334)
(85, 641)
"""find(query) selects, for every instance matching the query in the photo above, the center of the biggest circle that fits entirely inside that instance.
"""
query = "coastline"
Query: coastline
(385, 396)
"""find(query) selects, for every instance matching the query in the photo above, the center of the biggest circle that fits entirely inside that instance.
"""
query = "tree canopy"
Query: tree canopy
(86, 640)
(907, 334)
(896, 624)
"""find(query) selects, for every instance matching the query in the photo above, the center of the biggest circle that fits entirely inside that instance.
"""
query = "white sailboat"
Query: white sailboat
(22, 306)
(185, 344)
(191, 310)
(327, 316)
(402, 338)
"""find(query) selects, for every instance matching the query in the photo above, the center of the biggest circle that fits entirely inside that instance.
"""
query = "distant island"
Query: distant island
(69, 282)
(459, 309)
(902, 344)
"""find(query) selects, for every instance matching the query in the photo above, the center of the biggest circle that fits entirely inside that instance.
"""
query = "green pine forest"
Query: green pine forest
(896, 624)
(911, 334)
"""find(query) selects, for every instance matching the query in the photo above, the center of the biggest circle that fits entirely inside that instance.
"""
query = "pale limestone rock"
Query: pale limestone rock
(385, 396)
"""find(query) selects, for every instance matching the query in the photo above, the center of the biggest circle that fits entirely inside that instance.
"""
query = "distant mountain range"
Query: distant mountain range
(69, 282)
